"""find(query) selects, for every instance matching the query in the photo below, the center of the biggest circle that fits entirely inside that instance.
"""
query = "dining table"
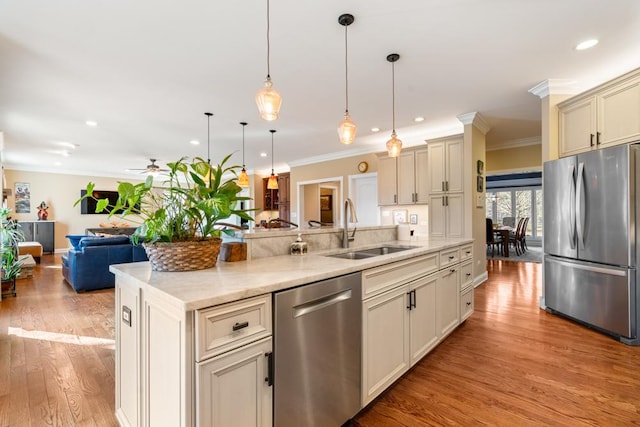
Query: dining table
(504, 231)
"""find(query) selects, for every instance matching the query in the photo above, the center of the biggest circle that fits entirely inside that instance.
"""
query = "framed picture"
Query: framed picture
(326, 203)
(480, 184)
(413, 219)
(23, 197)
(399, 216)
(480, 167)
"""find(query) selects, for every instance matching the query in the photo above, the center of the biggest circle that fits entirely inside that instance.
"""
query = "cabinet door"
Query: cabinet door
(437, 211)
(453, 167)
(387, 178)
(128, 347)
(421, 176)
(27, 231)
(436, 170)
(466, 305)
(44, 234)
(385, 336)
(454, 218)
(577, 127)
(448, 300)
(406, 178)
(619, 114)
(424, 334)
(232, 390)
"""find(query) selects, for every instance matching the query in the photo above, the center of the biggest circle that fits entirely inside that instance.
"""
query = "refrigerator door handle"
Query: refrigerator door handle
(580, 206)
(594, 269)
(572, 208)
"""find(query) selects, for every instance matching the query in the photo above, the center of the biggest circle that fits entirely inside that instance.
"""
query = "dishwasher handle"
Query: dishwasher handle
(320, 303)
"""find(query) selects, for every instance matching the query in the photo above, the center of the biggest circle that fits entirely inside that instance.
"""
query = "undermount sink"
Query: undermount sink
(368, 253)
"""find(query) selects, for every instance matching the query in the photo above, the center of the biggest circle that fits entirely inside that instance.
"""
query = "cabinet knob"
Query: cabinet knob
(453, 270)
(468, 274)
(468, 304)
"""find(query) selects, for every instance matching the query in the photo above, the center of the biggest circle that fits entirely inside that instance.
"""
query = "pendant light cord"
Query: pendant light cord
(346, 71)
(268, 44)
(243, 125)
(393, 95)
(272, 132)
(208, 137)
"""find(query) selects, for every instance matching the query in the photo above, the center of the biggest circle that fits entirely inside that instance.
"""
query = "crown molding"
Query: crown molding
(555, 87)
(515, 143)
(476, 120)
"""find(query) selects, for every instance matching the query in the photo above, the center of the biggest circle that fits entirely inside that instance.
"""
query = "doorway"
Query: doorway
(363, 191)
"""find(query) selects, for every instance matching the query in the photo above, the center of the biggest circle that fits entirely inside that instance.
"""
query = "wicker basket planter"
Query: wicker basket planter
(183, 256)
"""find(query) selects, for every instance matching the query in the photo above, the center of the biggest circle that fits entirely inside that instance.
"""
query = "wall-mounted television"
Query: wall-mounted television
(88, 206)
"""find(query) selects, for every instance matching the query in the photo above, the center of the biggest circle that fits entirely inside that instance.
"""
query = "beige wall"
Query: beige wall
(516, 159)
(332, 168)
(59, 192)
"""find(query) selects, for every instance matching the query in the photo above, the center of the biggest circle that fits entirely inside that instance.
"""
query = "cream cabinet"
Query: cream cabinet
(408, 308)
(234, 389)
(445, 180)
(603, 116)
(466, 282)
(403, 180)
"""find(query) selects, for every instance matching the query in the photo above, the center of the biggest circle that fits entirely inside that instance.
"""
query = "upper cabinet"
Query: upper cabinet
(403, 180)
(445, 165)
(603, 116)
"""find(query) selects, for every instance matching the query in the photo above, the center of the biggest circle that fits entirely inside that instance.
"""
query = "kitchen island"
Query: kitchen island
(191, 346)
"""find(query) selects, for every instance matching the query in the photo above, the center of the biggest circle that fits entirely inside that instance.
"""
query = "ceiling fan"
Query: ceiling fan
(151, 168)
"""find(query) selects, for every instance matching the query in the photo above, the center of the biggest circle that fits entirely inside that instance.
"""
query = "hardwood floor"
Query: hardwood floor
(510, 364)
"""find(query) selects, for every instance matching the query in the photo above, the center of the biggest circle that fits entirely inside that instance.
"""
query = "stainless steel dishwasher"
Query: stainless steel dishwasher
(317, 352)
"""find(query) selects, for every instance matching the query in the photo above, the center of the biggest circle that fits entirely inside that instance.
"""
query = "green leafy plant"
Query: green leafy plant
(10, 235)
(189, 205)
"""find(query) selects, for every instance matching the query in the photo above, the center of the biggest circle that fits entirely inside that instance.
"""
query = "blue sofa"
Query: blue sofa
(86, 266)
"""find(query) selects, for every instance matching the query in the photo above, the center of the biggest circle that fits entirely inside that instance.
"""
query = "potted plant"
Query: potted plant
(10, 235)
(184, 213)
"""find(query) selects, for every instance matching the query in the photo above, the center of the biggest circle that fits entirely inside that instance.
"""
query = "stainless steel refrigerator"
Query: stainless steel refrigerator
(590, 225)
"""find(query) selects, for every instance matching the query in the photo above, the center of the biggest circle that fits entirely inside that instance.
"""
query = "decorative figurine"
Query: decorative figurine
(42, 211)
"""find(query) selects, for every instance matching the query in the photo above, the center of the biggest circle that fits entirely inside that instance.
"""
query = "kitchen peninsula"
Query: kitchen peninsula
(195, 348)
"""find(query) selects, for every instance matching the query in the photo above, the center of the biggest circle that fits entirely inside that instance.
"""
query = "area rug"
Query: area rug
(533, 254)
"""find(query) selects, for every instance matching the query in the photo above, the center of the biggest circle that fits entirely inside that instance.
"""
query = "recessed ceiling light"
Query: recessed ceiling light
(92, 123)
(419, 119)
(70, 145)
(194, 142)
(58, 164)
(263, 154)
(587, 44)
(375, 129)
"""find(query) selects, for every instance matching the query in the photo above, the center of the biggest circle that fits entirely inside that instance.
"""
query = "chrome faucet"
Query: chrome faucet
(348, 208)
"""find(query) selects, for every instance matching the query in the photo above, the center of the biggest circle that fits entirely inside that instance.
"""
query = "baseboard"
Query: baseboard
(479, 280)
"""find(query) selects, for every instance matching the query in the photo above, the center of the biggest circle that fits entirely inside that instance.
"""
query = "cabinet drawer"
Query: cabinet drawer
(466, 252)
(466, 304)
(380, 279)
(225, 327)
(449, 257)
(466, 275)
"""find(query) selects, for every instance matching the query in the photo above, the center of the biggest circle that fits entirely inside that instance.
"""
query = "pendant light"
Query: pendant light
(268, 99)
(210, 175)
(272, 184)
(243, 179)
(346, 128)
(394, 145)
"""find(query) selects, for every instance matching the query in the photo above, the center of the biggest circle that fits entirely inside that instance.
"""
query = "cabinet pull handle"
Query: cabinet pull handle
(239, 326)
(414, 298)
(395, 198)
(447, 185)
(453, 270)
(597, 138)
(468, 252)
(468, 304)
(269, 378)
(451, 257)
(409, 296)
(446, 198)
(468, 274)
(591, 140)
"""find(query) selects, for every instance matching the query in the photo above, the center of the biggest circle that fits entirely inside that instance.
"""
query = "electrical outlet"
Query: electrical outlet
(126, 315)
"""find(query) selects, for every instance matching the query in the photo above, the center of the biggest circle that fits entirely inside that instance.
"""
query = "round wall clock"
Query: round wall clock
(363, 167)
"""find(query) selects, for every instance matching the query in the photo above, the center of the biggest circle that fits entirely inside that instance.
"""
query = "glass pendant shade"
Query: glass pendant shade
(394, 145)
(243, 179)
(268, 100)
(347, 130)
(272, 184)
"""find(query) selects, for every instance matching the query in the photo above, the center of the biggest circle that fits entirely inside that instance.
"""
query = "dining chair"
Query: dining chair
(492, 240)
(515, 238)
(509, 221)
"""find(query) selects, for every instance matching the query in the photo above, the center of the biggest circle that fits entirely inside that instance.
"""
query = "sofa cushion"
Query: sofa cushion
(103, 241)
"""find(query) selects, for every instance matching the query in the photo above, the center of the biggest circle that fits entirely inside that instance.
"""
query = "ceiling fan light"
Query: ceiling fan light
(272, 184)
(268, 100)
(394, 146)
(347, 130)
(243, 179)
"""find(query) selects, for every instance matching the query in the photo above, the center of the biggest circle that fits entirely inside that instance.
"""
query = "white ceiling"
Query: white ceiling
(147, 70)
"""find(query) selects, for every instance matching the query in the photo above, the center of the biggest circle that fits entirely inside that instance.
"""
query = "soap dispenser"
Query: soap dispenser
(299, 247)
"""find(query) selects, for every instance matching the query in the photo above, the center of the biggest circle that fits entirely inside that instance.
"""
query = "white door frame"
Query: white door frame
(352, 184)
(320, 181)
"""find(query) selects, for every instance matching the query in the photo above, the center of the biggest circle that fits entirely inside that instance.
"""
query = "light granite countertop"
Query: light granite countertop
(232, 281)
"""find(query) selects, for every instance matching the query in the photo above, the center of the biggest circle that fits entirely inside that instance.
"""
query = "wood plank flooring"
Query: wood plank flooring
(510, 364)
